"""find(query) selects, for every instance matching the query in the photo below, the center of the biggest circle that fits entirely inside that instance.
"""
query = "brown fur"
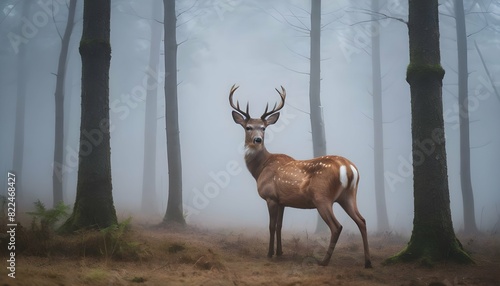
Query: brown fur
(285, 182)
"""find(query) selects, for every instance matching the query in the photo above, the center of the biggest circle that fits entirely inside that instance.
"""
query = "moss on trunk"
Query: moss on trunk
(433, 238)
(94, 199)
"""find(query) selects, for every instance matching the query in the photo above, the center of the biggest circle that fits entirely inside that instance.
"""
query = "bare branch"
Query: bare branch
(188, 20)
(393, 120)
(478, 31)
(54, 19)
(487, 71)
(303, 10)
(482, 145)
(304, 26)
(332, 21)
(294, 26)
(296, 108)
(486, 12)
(382, 15)
(188, 9)
(297, 54)
(366, 115)
(295, 71)
(447, 15)
(182, 42)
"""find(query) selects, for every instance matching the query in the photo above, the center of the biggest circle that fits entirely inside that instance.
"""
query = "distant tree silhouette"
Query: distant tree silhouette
(57, 171)
(149, 200)
(463, 103)
(378, 127)
(174, 211)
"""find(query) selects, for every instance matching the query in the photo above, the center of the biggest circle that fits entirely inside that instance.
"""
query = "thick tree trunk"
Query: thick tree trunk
(378, 127)
(94, 206)
(316, 110)
(463, 103)
(57, 172)
(433, 237)
(174, 211)
(149, 200)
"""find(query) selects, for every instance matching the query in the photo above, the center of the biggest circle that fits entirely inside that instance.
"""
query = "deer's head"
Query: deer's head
(255, 127)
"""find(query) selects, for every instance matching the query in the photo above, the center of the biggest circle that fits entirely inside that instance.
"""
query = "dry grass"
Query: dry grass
(193, 256)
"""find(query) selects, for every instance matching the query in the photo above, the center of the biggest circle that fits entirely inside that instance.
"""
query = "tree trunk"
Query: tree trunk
(316, 110)
(317, 124)
(463, 103)
(378, 128)
(433, 237)
(174, 211)
(94, 206)
(149, 200)
(57, 172)
(22, 74)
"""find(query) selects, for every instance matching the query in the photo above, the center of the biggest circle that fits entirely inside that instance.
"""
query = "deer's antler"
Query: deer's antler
(237, 106)
(275, 109)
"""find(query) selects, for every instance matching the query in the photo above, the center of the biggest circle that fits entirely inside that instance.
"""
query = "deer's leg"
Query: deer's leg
(351, 208)
(273, 208)
(326, 212)
(279, 224)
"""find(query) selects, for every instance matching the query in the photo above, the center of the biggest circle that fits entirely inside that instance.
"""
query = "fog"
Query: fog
(256, 45)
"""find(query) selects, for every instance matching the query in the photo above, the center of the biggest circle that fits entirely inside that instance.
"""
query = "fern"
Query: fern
(48, 218)
(114, 238)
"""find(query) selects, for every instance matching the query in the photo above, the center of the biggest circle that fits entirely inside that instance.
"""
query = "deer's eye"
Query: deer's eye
(248, 128)
(263, 128)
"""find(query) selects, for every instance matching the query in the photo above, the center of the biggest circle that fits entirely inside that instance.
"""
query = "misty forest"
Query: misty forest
(124, 160)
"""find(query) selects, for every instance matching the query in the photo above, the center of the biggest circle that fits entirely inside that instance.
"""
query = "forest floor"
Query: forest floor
(195, 256)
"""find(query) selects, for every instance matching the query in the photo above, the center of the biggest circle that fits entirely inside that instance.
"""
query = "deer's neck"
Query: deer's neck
(256, 160)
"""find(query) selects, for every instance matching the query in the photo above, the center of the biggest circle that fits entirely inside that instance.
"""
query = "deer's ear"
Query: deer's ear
(272, 119)
(238, 118)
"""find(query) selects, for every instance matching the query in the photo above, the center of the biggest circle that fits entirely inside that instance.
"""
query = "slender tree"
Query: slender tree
(94, 206)
(57, 172)
(433, 237)
(316, 114)
(316, 110)
(22, 73)
(463, 103)
(378, 127)
(174, 211)
(149, 200)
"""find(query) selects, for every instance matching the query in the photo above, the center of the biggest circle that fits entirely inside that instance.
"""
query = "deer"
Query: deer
(283, 181)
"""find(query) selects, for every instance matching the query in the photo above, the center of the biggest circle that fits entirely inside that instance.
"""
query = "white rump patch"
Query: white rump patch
(343, 176)
(354, 177)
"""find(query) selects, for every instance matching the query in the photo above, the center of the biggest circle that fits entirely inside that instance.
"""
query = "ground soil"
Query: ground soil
(197, 256)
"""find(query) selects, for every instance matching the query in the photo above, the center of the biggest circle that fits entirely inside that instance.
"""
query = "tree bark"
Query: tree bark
(57, 172)
(316, 110)
(149, 200)
(463, 104)
(174, 211)
(317, 124)
(378, 127)
(94, 206)
(433, 238)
